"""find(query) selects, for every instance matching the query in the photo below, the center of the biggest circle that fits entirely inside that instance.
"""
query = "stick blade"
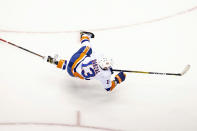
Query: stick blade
(185, 70)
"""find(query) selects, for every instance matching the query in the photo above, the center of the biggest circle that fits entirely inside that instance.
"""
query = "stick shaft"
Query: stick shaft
(21, 48)
(143, 72)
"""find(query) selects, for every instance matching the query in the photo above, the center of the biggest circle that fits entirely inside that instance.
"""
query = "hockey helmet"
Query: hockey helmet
(105, 63)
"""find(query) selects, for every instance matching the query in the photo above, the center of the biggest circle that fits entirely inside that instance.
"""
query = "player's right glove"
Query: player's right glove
(120, 77)
(52, 60)
(60, 64)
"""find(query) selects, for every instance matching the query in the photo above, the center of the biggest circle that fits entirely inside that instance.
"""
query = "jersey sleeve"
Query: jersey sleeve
(111, 86)
(106, 84)
(106, 81)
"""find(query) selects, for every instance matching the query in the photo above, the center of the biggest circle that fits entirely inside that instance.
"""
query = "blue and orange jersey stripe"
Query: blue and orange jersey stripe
(82, 55)
(76, 60)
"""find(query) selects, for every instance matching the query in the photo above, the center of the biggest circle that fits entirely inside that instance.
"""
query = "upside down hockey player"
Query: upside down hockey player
(85, 64)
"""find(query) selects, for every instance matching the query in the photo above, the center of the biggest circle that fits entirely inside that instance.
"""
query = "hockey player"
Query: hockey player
(86, 65)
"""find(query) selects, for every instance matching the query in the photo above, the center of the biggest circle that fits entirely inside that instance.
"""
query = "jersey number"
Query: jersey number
(89, 71)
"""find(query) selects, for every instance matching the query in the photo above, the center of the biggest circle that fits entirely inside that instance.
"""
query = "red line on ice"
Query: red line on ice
(77, 125)
(108, 28)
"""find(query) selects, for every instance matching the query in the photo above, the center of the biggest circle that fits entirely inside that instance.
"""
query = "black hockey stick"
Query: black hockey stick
(157, 73)
(22, 48)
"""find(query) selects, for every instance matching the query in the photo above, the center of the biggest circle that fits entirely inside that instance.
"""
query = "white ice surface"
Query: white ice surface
(33, 91)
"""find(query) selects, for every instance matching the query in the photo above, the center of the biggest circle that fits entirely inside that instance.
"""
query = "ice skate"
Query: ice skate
(90, 34)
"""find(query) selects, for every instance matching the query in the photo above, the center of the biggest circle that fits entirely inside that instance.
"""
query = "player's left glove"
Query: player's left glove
(120, 77)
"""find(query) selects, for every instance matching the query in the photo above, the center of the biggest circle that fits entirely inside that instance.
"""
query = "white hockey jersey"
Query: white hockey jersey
(84, 65)
(90, 69)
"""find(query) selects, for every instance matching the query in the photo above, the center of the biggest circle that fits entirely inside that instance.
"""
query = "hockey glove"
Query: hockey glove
(60, 64)
(120, 77)
(52, 60)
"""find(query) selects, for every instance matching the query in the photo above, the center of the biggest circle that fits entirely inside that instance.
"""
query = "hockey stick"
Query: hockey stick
(22, 48)
(158, 73)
